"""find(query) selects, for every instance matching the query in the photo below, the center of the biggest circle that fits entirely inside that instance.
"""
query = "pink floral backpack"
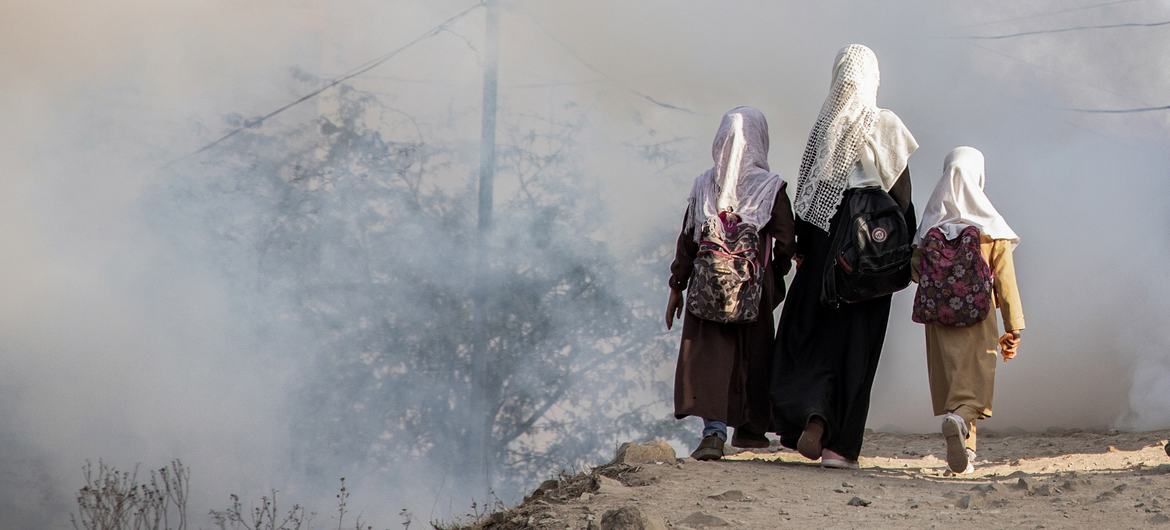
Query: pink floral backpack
(954, 281)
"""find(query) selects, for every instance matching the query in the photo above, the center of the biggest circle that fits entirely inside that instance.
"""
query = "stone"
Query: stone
(604, 485)
(985, 488)
(1046, 491)
(730, 495)
(645, 453)
(964, 502)
(630, 518)
(1159, 518)
(702, 520)
(858, 501)
(1021, 484)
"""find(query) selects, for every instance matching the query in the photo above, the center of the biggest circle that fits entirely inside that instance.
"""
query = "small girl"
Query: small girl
(724, 368)
(958, 289)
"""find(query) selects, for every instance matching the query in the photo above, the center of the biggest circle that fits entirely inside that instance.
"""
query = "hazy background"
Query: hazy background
(135, 328)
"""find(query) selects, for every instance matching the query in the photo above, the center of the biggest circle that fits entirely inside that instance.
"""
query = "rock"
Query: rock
(630, 518)
(1121, 487)
(702, 520)
(1021, 485)
(731, 495)
(964, 502)
(985, 488)
(1159, 518)
(546, 487)
(1046, 491)
(647, 453)
(850, 485)
(603, 485)
(1167, 448)
(858, 501)
(636, 482)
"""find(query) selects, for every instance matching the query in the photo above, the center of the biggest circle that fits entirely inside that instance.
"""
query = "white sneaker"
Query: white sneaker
(954, 430)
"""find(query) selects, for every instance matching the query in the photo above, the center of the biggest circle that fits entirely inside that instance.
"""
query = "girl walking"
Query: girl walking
(826, 357)
(963, 266)
(723, 366)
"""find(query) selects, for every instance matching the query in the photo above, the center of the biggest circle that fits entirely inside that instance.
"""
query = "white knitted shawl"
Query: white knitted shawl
(848, 122)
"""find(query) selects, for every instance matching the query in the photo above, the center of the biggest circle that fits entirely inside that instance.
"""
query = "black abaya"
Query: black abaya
(826, 358)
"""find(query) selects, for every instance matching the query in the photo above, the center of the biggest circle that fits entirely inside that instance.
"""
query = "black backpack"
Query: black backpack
(869, 255)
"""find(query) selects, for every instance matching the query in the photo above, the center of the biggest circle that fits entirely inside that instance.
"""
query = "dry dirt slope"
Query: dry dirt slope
(1059, 479)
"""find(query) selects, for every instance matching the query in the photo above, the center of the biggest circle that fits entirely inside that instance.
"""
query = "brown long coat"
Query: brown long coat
(724, 370)
(961, 361)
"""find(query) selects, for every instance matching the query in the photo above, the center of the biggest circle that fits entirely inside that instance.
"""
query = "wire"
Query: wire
(1039, 67)
(361, 69)
(1063, 30)
(1046, 14)
(1116, 111)
(596, 70)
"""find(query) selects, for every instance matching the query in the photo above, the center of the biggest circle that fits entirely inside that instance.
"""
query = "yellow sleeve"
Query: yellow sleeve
(915, 259)
(1006, 291)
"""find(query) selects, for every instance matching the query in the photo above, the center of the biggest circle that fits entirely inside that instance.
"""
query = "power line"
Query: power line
(1040, 67)
(1047, 14)
(1116, 111)
(361, 69)
(596, 70)
(1063, 30)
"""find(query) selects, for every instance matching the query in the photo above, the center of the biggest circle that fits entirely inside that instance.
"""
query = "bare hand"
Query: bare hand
(1009, 344)
(674, 307)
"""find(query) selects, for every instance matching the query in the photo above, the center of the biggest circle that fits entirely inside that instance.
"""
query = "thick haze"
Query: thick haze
(119, 343)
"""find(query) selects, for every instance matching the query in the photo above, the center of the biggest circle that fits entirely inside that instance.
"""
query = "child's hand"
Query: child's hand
(1009, 344)
(674, 307)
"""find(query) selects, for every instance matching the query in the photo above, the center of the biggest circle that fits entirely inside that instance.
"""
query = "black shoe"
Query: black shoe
(711, 448)
(746, 439)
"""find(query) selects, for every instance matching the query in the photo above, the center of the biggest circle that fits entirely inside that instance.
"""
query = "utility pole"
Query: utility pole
(484, 393)
(487, 142)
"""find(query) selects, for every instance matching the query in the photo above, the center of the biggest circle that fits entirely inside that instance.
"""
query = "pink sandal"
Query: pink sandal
(833, 460)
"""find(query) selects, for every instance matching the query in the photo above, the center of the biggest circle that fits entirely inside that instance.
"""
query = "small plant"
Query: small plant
(114, 500)
(262, 517)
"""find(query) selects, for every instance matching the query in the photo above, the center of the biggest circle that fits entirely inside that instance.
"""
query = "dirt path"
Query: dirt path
(1052, 480)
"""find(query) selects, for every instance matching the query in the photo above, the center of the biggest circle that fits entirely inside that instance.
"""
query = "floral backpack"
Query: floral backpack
(954, 281)
(727, 281)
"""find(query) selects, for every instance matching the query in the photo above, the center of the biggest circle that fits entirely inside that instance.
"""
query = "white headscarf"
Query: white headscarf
(850, 121)
(958, 200)
(740, 181)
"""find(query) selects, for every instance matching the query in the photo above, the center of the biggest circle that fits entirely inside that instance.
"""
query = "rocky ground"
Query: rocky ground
(1057, 479)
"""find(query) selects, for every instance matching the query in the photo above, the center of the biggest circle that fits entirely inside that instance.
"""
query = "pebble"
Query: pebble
(730, 495)
(858, 501)
(700, 519)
